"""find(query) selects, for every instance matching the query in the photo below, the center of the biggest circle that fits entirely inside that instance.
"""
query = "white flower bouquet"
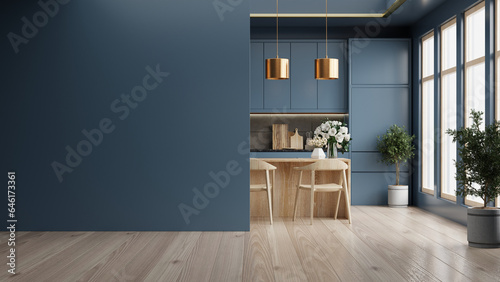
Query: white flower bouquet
(317, 142)
(336, 133)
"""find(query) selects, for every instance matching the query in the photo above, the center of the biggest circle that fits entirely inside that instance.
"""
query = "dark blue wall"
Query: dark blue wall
(454, 211)
(69, 75)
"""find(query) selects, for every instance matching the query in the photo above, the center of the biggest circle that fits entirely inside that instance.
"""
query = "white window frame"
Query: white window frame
(423, 80)
(497, 59)
(445, 72)
(497, 70)
(467, 65)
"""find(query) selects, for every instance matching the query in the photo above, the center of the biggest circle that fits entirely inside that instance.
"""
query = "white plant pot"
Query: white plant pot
(398, 196)
(318, 153)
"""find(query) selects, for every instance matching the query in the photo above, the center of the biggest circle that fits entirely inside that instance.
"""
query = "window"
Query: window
(448, 108)
(475, 40)
(475, 79)
(427, 86)
(497, 60)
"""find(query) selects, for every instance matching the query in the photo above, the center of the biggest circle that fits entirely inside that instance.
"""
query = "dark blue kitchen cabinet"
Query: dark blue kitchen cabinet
(370, 162)
(332, 94)
(277, 92)
(256, 75)
(304, 87)
(380, 61)
(302, 92)
(371, 188)
(374, 110)
(380, 92)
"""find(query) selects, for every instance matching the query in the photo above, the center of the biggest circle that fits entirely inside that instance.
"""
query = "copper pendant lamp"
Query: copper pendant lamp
(277, 68)
(326, 68)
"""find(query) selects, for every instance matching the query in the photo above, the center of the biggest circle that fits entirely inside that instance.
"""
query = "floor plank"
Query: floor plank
(425, 266)
(133, 260)
(257, 262)
(286, 262)
(61, 265)
(173, 260)
(379, 268)
(382, 244)
(229, 261)
(200, 262)
(470, 261)
(29, 247)
(312, 258)
(344, 264)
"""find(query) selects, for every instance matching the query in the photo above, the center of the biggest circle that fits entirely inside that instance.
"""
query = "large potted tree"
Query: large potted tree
(478, 174)
(396, 148)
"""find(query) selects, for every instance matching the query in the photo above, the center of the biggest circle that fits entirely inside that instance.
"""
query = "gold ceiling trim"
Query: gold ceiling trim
(393, 7)
(387, 13)
(311, 15)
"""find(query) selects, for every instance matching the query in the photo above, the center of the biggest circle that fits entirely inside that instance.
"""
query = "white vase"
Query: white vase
(318, 153)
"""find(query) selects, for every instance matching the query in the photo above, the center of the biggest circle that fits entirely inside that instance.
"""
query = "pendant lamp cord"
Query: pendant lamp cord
(326, 20)
(277, 29)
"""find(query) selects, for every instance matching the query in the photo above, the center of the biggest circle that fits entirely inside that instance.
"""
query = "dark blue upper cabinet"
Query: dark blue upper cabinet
(374, 110)
(332, 93)
(257, 76)
(380, 61)
(277, 92)
(304, 91)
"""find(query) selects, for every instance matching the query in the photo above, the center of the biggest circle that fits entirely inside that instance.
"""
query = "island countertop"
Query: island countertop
(284, 190)
(299, 160)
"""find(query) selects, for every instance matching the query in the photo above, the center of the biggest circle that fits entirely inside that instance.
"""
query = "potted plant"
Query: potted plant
(396, 148)
(478, 174)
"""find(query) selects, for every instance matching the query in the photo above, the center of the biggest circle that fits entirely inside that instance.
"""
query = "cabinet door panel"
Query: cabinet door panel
(371, 188)
(304, 87)
(374, 110)
(332, 94)
(277, 92)
(370, 162)
(257, 76)
(380, 61)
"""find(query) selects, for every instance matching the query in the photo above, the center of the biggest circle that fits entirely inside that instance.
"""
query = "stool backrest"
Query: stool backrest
(256, 164)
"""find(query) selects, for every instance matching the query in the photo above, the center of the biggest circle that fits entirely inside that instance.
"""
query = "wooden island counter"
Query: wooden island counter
(284, 190)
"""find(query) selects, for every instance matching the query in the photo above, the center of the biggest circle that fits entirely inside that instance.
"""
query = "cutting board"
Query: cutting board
(297, 141)
(280, 136)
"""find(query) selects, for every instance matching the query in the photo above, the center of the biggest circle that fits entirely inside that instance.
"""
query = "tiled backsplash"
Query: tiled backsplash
(261, 132)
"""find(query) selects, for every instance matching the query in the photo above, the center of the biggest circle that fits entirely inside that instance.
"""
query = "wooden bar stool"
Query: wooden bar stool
(324, 165)
(259, 165)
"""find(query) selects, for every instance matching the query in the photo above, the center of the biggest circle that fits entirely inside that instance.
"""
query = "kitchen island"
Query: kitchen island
(284, 190)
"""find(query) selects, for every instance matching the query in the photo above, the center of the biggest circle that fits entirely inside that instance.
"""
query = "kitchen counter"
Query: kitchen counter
(282, 150)
(284, 190)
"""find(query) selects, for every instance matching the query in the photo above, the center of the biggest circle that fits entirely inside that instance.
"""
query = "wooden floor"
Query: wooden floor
(382, 244)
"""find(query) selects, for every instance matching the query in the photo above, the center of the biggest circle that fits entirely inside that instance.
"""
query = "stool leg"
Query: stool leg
(268, 190)
(295, 206)
(338, 204)
(270, 206)
(347, 202)
(312, 205)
